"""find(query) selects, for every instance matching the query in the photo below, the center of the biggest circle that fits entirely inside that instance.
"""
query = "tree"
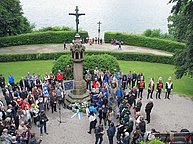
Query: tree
(184, 58)
(12, 21)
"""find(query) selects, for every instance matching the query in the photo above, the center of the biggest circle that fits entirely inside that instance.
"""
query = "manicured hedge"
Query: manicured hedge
(118, 55)
(40, 38)
(139, 40)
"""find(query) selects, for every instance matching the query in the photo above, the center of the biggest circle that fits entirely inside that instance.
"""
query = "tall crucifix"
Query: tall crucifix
(77, 16)
(99, 29)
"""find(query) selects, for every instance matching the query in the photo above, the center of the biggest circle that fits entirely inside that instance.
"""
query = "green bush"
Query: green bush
(54, 28)
(103, 62)
(118, 55)
(40, 38)
(155, 141)
(139, 40)
(158, 34)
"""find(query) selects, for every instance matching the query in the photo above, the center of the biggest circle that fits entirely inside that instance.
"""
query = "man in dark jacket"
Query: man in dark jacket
(111, 132)
(43, 120)
(148, 109)
(142, 126)
(99, 134)
(2, 81)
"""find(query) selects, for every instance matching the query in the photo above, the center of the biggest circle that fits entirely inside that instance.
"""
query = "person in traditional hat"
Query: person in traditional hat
(150, 88)
(169, 88)
(159, 88)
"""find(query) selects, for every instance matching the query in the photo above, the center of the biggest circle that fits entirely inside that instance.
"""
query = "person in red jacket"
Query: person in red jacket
(59, 77)
(141, 87)
(96, 84)
(25, 104)
(159, 88)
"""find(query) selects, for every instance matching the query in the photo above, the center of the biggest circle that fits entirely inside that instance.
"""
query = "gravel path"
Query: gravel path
(41, 48)
(167, 115)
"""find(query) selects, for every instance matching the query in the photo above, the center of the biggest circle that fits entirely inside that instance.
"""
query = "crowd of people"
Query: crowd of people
(117, 98)
(26, 104)
(112, 94)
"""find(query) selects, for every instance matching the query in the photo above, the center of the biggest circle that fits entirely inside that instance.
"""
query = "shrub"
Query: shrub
(118, 55)
(158, 34)
(103, 62)
(55, 28)
(40, 38)
(155, 141)
(138, 40)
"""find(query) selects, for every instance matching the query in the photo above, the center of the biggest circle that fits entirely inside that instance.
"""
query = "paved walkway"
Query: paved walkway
(41, 48)
(167, 115)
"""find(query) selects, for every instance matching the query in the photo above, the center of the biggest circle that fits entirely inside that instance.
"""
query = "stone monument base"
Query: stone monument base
(73, 98)
(79, 87)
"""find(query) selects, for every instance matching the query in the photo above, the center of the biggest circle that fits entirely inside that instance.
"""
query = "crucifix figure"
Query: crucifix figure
(99, 29)
(77, 16)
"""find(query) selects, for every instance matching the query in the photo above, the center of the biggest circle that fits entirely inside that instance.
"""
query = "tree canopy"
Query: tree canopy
(12, 21)
(183, 26)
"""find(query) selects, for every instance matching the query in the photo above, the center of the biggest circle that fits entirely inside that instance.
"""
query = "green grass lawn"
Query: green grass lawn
(182, 86)
(19, 69)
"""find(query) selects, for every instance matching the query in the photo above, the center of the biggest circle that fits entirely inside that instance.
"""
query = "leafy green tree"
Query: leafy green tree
(184, 58)
(12, 21)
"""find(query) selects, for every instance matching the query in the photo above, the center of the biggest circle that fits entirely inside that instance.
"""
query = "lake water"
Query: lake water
(131, 16)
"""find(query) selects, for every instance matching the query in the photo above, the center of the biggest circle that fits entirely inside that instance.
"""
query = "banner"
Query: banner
(69, 85)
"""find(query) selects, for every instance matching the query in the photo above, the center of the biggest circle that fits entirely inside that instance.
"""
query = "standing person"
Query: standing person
(46, 95)
(22, 83)
(148, 109)
(124, 82)
(59, 77)
(119, 95)
(126, 139)
(142, 126)
(111, 132)
(2, 81)
(88, 78)
(141, 87)
(93, 121)
(169, 88)
(159, 88)
(119, 43)
(99, 134)
(11, 80)
(53, 101)
(138, 105)
(43, 120)
(67, 72)
(28, 79)
(134, 77)
(150, 89)
(129, 77)
(65, 46)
